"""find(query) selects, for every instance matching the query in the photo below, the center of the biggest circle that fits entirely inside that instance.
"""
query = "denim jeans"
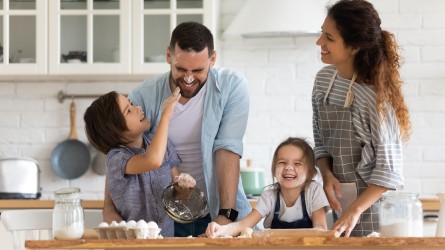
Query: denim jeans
(195, 228)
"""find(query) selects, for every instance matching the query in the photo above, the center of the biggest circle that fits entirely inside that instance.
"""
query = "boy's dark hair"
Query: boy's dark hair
(192, 36)
(105, 123)
(308, 154)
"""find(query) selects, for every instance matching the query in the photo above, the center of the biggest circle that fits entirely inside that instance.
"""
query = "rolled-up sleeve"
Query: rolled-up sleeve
(382, 158)
(234, 117)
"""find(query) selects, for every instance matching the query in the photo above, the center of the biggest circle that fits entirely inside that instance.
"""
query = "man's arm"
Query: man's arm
(109, 212)
(227, 172)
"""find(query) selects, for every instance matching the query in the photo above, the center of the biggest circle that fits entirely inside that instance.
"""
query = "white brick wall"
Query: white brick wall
(280, 73)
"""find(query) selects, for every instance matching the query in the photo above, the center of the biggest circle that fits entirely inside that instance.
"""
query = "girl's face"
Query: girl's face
(333, 49)
(134, 117)
(290, 167)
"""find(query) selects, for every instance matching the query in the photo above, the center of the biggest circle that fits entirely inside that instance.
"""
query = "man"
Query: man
(207, 126)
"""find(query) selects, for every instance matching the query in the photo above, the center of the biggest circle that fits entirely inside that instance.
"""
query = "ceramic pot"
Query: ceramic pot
(253, 179)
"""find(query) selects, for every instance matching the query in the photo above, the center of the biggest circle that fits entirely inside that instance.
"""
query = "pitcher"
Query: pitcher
(440, 230)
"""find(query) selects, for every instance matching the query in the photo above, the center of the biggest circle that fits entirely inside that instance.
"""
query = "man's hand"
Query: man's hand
(109, 212)
(222, 220)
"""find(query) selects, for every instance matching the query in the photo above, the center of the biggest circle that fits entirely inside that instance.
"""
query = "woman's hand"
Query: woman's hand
(346, 222)
(331, 187)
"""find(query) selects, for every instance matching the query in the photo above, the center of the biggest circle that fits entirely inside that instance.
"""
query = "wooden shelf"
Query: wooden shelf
(25, 204)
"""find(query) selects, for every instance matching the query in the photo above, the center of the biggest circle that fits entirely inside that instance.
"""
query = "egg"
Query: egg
(122, 223)
(152, 224)
(103, 224)
(113, 224)
(131, 224)
(141, 224)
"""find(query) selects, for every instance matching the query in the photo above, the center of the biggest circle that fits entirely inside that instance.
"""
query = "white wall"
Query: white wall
(280, 73)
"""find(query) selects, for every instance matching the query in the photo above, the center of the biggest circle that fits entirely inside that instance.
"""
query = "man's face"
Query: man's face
(189, 70)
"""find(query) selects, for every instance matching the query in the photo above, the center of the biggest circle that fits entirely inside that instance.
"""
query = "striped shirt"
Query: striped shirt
(378, 134)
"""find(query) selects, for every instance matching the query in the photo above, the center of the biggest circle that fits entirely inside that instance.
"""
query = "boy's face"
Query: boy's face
(134, 117)
(290, 167)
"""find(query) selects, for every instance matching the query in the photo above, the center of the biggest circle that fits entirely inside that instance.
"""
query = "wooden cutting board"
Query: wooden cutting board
(306, 232)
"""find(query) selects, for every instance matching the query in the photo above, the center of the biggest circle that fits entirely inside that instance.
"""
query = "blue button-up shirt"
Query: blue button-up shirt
(226, 110)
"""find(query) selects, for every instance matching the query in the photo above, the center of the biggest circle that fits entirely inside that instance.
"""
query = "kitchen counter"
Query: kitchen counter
(25, 204)
(237, 243)
(429, 204)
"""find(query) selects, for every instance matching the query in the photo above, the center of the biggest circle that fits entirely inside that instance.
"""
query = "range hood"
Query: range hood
(278, 18)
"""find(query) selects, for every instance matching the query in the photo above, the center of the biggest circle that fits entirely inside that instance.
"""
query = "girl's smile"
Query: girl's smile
(291, 168)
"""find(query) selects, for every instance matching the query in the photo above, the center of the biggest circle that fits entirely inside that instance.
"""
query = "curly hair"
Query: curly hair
(377, 62)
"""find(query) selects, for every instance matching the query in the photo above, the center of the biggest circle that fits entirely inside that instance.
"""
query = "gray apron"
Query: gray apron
(340, 140)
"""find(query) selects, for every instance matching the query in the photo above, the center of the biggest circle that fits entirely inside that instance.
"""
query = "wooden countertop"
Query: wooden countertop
(238, 243)
(429, 204)
(24, 204)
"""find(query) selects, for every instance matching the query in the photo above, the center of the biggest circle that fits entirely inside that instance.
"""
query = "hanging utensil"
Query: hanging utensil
(71, 158)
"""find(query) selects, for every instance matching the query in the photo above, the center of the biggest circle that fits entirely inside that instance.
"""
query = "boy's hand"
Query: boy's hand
(169, 103)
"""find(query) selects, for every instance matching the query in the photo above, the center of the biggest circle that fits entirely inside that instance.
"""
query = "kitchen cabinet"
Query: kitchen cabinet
(93, 37)
(153, 21)
(23, 37)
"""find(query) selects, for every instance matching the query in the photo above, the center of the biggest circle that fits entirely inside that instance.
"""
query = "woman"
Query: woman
(360, 118)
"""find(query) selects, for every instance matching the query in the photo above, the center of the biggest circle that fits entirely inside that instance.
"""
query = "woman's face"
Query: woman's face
(290, 167)
(333, 49)
(134, 117)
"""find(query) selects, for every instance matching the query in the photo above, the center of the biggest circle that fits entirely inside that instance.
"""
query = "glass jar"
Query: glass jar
(68, 218)
(401, 215)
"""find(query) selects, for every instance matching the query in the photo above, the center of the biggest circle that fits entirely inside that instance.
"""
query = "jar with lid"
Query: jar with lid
(68, 217)
(401, 215)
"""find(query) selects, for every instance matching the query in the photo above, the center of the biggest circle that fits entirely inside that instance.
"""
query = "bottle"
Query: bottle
(440, 229)
(401, 215)
(68, 217)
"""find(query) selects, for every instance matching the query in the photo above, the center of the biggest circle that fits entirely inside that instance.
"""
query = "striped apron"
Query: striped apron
(340, 141)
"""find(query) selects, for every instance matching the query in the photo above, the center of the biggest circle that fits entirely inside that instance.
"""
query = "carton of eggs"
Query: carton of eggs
(128, 230)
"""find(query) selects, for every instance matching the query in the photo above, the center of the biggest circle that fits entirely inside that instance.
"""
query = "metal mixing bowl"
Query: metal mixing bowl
(184, 206)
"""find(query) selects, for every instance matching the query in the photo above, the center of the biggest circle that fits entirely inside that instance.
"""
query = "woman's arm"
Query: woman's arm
(349, 219)
(331, 185)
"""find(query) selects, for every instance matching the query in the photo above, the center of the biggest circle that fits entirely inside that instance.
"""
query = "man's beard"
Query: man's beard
(187, 94)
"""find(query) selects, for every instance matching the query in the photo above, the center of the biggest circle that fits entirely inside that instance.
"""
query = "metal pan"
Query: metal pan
(99, 163)
(71, 158)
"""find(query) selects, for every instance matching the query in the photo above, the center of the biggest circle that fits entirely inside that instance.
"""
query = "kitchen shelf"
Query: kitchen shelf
(30, 204)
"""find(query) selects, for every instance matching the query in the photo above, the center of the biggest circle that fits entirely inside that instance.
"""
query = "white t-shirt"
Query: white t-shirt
(185, 134)
(315, 199)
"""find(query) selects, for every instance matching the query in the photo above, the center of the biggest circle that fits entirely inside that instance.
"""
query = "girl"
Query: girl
(138, 167)
(359, 115)
(294, 201)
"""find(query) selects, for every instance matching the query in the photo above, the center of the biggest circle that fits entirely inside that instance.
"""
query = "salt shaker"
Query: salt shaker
(401, 215)
(68, 217)
(440, 229)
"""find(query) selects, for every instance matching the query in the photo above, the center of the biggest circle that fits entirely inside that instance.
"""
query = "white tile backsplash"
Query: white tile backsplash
(281, 73)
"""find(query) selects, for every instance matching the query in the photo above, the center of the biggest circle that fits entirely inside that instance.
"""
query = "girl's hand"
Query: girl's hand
(170, 103)
(214, 230)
